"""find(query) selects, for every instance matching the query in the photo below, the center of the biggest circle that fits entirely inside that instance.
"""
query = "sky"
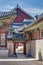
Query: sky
(33, 7)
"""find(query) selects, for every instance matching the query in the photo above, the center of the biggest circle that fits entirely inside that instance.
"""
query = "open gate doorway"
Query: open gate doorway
(20, 48)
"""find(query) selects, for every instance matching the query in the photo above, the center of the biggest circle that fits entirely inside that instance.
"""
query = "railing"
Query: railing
(20, 39)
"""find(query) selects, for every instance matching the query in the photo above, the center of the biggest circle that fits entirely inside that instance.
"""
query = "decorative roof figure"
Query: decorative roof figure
(17, 10)
(17, 5)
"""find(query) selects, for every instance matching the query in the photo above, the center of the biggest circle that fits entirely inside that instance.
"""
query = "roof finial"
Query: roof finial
(17, 5)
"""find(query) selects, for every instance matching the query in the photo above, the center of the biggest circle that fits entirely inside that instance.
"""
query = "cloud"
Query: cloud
(34, 11)
(31, 10)
(6, 8)
(18, 2)
(10, 6)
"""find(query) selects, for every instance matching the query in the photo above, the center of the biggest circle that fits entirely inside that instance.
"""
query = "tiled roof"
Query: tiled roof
(8, 20)
(36, 22)
(21, 15)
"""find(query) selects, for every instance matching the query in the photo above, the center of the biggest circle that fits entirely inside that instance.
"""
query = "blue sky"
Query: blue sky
(33, 7)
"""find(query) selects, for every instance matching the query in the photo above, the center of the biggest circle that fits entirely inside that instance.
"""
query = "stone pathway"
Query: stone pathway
(21, 63)
(21, 56)
(17, 56)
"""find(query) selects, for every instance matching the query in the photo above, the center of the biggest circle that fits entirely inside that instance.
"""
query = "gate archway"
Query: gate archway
(24, 47)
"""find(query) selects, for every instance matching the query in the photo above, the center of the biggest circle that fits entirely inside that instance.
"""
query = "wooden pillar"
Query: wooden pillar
(39, 34)
(14, 48)
(25, 48)
(6, 39)
(27, 34)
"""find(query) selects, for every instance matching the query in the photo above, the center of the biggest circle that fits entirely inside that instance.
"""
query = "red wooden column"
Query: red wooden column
(39, 34)
(14, 48)
(25, 48)
(6, 38)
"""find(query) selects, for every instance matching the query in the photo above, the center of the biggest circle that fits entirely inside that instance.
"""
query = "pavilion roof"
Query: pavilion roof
(8, 19)
(36, 24)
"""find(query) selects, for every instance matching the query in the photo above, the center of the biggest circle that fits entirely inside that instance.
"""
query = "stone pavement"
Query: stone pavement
(21, 63)
(21, 56)
(17, 56)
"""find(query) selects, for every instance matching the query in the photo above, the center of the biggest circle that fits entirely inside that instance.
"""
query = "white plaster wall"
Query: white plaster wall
(3, 53)
(10, 47)
(33, 48)
(39, 48)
